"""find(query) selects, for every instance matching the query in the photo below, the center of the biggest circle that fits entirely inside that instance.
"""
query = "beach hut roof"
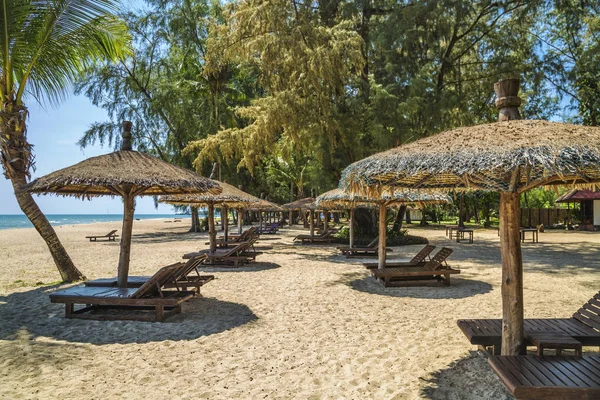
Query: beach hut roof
(338, 199)
(230, 196)
(299, 204)
(106, 174)
(264, 205)
(484, 157)
(578, 195)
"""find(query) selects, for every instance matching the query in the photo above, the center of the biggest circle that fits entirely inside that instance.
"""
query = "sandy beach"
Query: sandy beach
(303, 322)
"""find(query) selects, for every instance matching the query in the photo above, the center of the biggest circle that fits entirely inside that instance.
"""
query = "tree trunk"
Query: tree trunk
(125, 254)
(212, 234)
(512, 275)
(64, 264)
(382, 236)
(399, 218)
(351, 240)
(17, 159)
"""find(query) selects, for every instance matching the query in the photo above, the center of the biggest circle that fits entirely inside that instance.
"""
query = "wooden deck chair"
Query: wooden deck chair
(186, 275)
(583, 326)
(549, 378)
(325, 237)
(110, 236)
(238, 255)
(132, 301)
(234, 240)
(419, 258)
(436, 268)
(371, 249)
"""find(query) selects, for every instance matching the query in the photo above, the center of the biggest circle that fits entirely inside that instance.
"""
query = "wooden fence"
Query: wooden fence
(547, 216)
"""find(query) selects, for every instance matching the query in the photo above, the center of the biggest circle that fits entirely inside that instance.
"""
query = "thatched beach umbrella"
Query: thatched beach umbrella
(229, 197)
(337, 198)
(510, 157)
(298, 205)
(264, 206)
(127, 174)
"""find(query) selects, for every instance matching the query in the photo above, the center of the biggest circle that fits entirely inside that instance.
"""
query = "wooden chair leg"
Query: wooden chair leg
(160, 313)
(68, 310)
(447, 280)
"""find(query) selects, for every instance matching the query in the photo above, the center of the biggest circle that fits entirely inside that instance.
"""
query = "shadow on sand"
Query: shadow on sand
(470, 378)
(460, 288)
(253, 267)
(30, 313)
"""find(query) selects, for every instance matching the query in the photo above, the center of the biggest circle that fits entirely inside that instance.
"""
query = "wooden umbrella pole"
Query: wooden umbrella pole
(240, 214)
(212, 234)
(512, 275)
(225, 220)
(125, 254)
(325, 220)
(312, 223)
(291, 216)
(382, 235)
(351, 212)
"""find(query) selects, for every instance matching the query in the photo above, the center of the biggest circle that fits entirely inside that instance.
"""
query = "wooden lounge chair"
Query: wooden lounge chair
(436, 268)
(325, 237)
(546, 378)
(185, 276)
(270, 230)
(416, 260)
(133, 301)
(110, 236)
(583, 326)
(371, 249)
(238, 255)
(234, 240)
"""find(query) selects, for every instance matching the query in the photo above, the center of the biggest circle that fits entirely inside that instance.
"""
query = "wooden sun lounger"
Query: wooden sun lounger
(131, 301)
(110, 236)
(547, 378)
(238, 255)
(185, 276)
(416, 260)
(325, 237)
(271, 230)
(583, 326)
(234, 240)
(436, 268)
(371, 249)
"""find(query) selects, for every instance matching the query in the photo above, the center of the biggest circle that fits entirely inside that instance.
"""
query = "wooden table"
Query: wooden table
(460, 235)
(553, 340)
(449, 228)
(534, 234)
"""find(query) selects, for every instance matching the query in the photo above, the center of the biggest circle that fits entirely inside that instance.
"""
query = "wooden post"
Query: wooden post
(351, 213)
(382, 235)
(212, 234)
(512, 275)
(325, 220)
(240, 216)
(125, 254)
(312, 223)
(225, 221)
(260, 220)
(290, 223)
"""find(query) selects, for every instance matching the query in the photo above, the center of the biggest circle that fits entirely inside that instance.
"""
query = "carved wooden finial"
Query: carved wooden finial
(126, 142)
(508, 101)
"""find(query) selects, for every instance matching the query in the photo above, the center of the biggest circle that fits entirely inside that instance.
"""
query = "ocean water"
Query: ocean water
(21, 221)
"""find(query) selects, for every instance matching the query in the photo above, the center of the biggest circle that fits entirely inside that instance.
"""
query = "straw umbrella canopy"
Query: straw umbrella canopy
(264, 206)
(124, 173)
(337, 198)
(230, 196)
(510, 157)
(297, 205)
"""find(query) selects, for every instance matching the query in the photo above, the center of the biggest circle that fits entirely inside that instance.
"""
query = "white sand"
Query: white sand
(302, 323)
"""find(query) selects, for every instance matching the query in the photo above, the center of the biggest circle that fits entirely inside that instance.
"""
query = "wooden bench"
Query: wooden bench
(549, 378)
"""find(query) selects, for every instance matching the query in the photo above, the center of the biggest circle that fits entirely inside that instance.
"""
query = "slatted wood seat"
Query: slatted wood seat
(110, 236)
(583, 326)
(547, 378)
(436, 268)
(238, 255)
(325, 237)
(185, 276)
(419, 258)
(371, 249)
(234, 240)
(132, 301)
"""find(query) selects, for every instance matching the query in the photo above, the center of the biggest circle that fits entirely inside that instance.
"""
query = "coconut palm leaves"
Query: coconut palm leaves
(45, 46)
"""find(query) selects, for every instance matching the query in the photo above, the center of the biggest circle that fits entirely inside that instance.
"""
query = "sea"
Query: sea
(20, 221)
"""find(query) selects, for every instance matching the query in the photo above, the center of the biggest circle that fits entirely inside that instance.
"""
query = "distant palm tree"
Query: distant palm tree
(45, 46)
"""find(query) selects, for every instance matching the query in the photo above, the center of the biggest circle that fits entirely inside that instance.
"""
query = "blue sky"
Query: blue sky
(54, 133)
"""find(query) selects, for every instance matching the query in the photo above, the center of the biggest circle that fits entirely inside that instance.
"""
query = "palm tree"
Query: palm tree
(45, 46)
